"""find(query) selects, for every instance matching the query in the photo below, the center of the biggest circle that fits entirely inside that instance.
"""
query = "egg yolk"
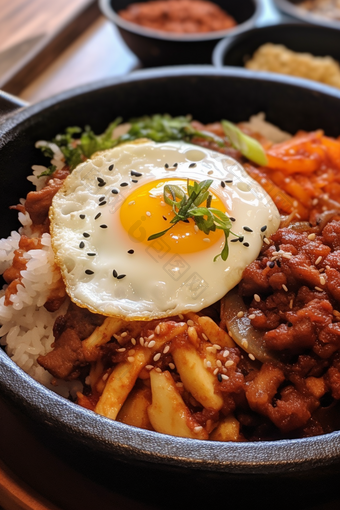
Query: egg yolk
(144, 213)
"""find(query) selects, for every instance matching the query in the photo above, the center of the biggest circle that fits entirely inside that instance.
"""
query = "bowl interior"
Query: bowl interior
(292, 8)
(317, 40)
(207, 94)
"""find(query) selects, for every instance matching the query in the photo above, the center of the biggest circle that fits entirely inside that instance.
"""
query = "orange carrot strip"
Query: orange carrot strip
(292, 187)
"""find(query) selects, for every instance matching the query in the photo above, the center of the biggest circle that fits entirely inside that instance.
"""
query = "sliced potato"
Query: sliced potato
(101, 335)
(134, 411)
(228, 429)
(168, 414)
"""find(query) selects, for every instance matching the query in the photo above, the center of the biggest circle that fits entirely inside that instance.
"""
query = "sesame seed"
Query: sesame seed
(215, 372)
(311, 237)
(132, 202)
(217, 347)
(157, 329)
(318, 260)
(81, 244)
(135, 174)
(240, 314)
(190, 322)
(175, 165)
(134, 181)
(131, 359)
(97, 215)
(141, 341)
(232, 219)
(257, 298)
(196, 228)
(315, 201)
(148, 213)
(85, 234)
(246, 245)
(157, 356)
(166, 349)
(210, 172)
(122, 349)
(252, 316)
(192, 165)
(115, 274)
(222, 184)
(289, 324)
(266, 240)
(172, 366)
(121, 276)
(225, 353)
(149, 367)
(322, 280)
(224, 377)
(124, 334)
(264, 228)
(208, 364)
(82, 216)
(234, 240)
(101, 198)
(181, 316)
(206, 240)
(204, 336)
(219, 363)
(251, 356)
(101, 182)
(166, 165)
(111, 167)
(131, 252)
(244, 343)
(285, 288)
(291, 302)
(88, 271)
(102, 203)
(228, 363)
(159, 371)
(91, 254)
(151, 344)
(133, 341)
(318, 289)
(115, 191)
(219, 377)
(123, 184)
(241, 239)
(247, 229)
(103, 226)
(229, 181)
(198, 428)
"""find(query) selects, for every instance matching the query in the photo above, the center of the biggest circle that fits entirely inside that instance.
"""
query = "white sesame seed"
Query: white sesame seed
(105, 376)
(311, 237)
(158, 370)
(318, 289)
(266, 240)
(157, 329)
(131, 352)
(225, 377)
(295, 203)
(244, 343)
(133, 341)
(151, 337)
(286, 255)
(204, 336)
(151, 344)
(257, 298)
(132, 202)
(141, 341)
(251, 356)
(196, 229)
(228, 363)
(211, 349)
(131, 359)
(291, 302)
(209, 364)
(198, 428)
(166, 349)
(219, 363)
(322, 280)
(181, 316)
(210, 172)
(318, 260)
(190, 323)
(225, 353)
(315, 201)
(124, 334)
(218, 347)
(215, 372)
(149, 367)
(206, 240)
(251, 316)
(240, 314)
(121, 350)
(157, 356)
(172, 366)
(148, 213)
(284, 287)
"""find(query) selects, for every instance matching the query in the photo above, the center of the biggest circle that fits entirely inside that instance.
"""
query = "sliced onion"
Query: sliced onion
(242, 332)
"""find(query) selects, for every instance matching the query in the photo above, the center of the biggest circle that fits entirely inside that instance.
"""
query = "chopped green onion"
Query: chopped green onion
(248, 146)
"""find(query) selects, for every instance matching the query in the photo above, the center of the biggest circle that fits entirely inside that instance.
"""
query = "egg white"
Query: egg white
(152, 282)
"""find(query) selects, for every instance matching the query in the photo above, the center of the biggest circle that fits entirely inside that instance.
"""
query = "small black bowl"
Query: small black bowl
(292, 8)
(317, 40)
(155, 48)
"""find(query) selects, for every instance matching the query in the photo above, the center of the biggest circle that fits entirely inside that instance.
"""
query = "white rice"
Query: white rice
(26, 326)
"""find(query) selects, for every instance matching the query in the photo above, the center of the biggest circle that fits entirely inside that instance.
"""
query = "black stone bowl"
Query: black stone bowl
(121, 456)
(291, 8)
(317, 40)
(156, 48)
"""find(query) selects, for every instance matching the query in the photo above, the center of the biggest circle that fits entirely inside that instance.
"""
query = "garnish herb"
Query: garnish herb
(188, 205)
(248, 146)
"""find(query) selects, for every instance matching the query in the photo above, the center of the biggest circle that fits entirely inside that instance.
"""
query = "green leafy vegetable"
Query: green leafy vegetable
(248, 146)
(186, 206)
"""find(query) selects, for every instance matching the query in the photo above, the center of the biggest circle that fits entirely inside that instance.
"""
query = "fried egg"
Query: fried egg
(107, 209)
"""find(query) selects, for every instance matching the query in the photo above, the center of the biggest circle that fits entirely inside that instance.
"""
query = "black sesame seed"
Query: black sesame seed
(192, 165)
(101, 182)
(136, 174)
(115, 274)
(101, 199)
(115, 191)
(100, 179)
(81, 244)
(247, 229)
(121, 276)
(289, 324)
(102, 203)
(85, 234)
(82, 216)
(88, 271)
(241, 239)
(134, 180)
(131, 252)
(223, 184)
(229, 181)
(123, 184)
(185, 221)
(232, 219)
(166, 165)
(278, 263)
(246, 245)
(103, 226)
(164, 218)
(91, 254)
(111, 167)
(175, 165)
(271, 264)
(234, 240)
(97, 215)
(219, 377)
(264, 228)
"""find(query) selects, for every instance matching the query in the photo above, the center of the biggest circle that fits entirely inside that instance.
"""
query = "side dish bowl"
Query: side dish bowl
(298, 37)
(292, 8)
(155, 48)
(207, 94)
